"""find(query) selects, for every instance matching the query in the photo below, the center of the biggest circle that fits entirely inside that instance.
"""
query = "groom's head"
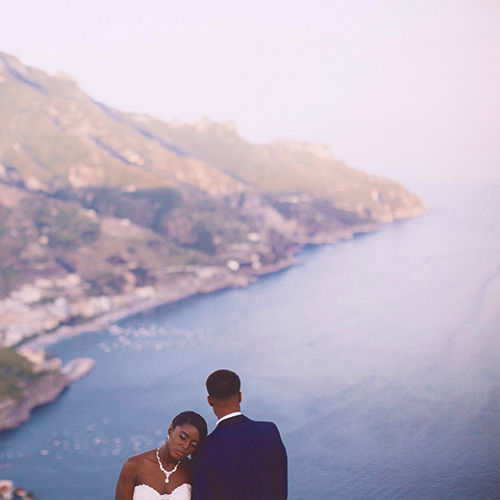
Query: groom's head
(224, 394)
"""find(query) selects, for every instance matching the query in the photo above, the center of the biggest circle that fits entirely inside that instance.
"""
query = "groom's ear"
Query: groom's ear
(210, 402)
(239, 397)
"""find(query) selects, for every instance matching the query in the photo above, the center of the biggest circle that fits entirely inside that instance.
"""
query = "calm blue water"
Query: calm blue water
(379, 358)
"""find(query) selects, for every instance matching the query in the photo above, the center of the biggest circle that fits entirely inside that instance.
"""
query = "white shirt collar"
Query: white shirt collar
(229, 415)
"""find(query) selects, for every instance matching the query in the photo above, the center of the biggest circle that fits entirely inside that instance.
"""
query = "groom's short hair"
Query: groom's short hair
(223, 383)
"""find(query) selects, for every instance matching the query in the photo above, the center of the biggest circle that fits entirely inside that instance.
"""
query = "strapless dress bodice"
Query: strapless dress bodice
(145, 492)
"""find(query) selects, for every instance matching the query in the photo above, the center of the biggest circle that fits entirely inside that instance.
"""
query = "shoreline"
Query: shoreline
(45, 390)
(187, 288)
(184, 286)
(14, 414)
(190, 285)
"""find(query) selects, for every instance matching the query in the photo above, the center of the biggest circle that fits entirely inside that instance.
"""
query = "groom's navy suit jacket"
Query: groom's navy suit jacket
(241, 460)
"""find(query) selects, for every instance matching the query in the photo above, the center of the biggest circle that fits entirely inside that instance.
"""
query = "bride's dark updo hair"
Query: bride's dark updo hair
(193, 418)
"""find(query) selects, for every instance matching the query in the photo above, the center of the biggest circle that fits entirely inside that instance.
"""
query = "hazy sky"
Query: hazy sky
(406, 88)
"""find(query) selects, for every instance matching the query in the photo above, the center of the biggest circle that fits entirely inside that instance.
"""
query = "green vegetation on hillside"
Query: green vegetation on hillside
(16, 372)
(64, 226)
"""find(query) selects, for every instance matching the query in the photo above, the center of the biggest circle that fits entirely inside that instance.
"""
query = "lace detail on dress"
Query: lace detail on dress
(145, 492)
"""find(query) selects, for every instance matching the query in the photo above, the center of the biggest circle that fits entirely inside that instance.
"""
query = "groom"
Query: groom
(241, 459)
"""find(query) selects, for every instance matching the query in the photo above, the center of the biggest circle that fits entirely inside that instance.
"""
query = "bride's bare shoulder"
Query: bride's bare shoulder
(144, 459)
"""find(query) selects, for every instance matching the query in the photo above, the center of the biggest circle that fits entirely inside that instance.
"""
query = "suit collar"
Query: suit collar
(229, 415)
(231, 421)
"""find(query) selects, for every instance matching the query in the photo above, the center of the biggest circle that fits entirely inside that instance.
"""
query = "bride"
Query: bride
(164, 473)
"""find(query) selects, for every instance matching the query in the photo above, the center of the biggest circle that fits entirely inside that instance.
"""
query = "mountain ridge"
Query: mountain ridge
(82, 182)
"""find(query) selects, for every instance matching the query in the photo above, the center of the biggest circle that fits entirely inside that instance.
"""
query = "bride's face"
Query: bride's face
(182, 440)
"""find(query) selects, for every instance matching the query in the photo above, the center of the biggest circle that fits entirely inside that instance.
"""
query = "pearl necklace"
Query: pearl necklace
(167, 473)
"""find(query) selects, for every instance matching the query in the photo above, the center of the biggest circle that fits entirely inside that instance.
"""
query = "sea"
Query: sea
(377, 357)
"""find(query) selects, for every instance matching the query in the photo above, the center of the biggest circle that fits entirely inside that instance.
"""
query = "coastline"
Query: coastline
(190, 284)
(187, 286)
(182, 286)
(14, 414)
(45, 390)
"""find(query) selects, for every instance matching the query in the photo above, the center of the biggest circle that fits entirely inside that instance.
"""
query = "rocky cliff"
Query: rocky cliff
(31, 379)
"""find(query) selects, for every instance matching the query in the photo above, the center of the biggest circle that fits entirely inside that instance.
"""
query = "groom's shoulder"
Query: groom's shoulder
(245, 424)
(240, 433)
(265, 425)
(268, 432)
(269, 429)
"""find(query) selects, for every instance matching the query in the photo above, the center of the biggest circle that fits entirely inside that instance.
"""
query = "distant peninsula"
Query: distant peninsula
(105, 213)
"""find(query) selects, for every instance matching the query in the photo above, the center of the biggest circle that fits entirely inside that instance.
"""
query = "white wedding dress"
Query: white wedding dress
(145, 492)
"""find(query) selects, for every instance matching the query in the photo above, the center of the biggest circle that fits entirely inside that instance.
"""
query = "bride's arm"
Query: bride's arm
(126, 481)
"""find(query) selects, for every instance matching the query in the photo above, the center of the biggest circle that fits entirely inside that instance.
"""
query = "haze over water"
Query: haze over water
(378, 358)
